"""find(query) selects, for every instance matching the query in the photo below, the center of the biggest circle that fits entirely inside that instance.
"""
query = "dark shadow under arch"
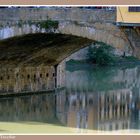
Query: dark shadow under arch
(39, 48)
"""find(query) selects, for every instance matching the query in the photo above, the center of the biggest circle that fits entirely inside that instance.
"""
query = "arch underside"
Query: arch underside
(39, 48)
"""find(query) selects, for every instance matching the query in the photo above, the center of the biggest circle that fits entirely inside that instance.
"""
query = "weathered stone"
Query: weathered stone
(97, 25)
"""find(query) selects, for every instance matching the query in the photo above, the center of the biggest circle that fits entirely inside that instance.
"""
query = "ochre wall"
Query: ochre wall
(123, 15)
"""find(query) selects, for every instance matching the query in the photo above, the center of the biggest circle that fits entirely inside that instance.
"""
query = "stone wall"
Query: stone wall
(26, 79)
(97, 25)
(31, 78)
(73, 14)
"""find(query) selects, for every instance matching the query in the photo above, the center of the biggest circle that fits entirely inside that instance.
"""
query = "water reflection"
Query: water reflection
(95, 99)
(104, 98)
(99, 111)
(34, 108)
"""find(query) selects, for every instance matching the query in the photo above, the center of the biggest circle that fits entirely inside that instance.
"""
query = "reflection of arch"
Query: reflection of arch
(29, 108)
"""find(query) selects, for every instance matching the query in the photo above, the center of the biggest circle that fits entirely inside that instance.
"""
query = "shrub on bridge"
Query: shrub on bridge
(48, 24)
(101, 54)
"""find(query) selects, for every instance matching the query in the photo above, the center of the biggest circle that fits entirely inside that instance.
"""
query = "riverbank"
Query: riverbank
(120, 62)
(32, 127)
(45, 128)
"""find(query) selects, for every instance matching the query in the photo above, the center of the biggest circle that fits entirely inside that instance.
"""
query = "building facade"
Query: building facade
(128, 16)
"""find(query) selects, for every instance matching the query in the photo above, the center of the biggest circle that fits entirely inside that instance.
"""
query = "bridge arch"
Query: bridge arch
(39, 48)
(70, 37)
(96, 24)
(101, 32)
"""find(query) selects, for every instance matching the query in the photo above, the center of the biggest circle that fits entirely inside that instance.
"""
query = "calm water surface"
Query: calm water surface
(93, 98)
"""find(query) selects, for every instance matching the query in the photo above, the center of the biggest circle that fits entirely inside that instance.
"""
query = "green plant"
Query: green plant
(101, 54)
(48, 24)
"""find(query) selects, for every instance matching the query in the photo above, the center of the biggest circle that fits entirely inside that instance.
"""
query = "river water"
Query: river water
(94, 98)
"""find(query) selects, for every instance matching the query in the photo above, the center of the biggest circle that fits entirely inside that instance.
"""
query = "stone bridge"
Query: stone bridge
(20, 35)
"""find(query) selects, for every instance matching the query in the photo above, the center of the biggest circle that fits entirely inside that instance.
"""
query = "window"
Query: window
(134, 9)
